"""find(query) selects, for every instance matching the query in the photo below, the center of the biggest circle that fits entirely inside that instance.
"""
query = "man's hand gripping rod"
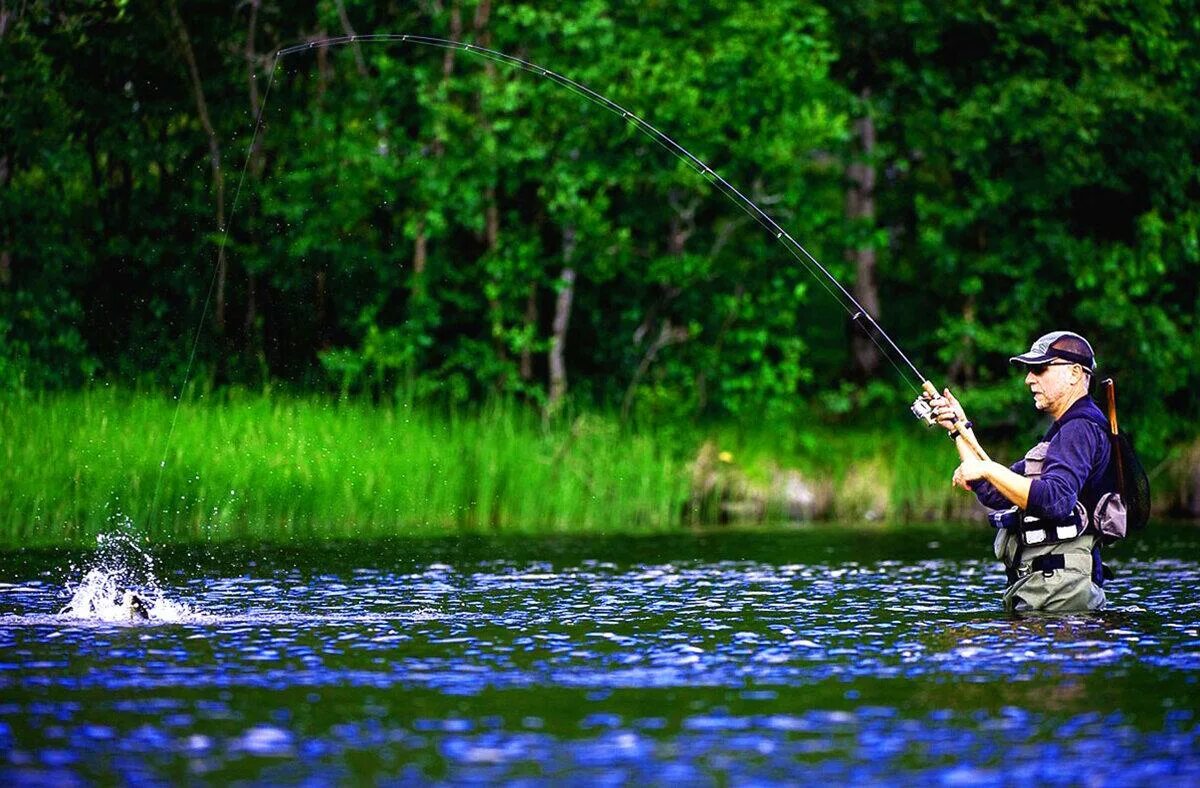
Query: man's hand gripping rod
(924, 411)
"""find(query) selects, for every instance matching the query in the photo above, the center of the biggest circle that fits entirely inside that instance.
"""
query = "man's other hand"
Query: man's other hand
(969, 471)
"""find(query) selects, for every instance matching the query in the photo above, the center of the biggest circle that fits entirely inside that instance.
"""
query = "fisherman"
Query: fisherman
(1052, 508)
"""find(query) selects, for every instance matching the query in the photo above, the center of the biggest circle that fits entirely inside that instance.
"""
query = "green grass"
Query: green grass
(281, 468)
(287, 468)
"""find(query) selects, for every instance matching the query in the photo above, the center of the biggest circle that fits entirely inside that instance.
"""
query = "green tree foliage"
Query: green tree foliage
(1042, 173)
(410, 216)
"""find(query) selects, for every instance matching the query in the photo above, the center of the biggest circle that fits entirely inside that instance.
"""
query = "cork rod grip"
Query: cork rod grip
(965, 433)
(1110, 405)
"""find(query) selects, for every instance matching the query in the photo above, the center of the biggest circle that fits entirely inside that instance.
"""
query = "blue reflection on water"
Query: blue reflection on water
(684, 671)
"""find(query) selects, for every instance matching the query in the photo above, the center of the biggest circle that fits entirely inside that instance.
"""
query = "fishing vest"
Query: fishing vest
(1099, 510)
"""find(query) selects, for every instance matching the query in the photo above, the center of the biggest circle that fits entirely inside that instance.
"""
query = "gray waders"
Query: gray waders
(1054, 578)
(1051, 565)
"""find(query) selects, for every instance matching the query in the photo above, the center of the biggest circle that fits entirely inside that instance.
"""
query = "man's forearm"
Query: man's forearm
(1012, 486)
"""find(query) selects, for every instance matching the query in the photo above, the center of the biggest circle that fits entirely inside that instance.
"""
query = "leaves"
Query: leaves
(402, 228)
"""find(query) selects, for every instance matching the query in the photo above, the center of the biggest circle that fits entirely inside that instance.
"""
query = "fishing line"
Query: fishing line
(221, 243)
(810, 263)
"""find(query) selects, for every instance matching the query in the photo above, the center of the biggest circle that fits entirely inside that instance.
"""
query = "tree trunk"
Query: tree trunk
(421, 242)
(420, 254)
(359, 61)
(251, 76)
(667, 335)
(482, 12)
(5, 168)
(722, 332)
(562, 318)
(323, 340)
(680, 228)
(323, 69)
(214, 150)
(491, 209)
(5, 174)
(253, 338)
(492, 242)
(961, 369)
(455, 35)
(860, 209)
(251, 305)
(531, 318)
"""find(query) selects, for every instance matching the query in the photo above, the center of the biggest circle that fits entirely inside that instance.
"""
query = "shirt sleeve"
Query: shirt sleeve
(989, 496)
(1071, 458)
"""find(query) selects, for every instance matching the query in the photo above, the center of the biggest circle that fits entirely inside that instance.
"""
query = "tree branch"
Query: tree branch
(667, 335)
(214, 152)
(359, 61)
(562, 317)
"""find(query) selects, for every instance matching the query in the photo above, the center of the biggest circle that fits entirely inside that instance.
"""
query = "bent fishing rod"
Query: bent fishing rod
(859, 315)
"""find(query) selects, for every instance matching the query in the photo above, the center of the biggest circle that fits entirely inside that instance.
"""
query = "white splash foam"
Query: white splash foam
(120, 574)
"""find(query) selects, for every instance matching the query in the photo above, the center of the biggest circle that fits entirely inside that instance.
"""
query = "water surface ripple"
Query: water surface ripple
(662, 667)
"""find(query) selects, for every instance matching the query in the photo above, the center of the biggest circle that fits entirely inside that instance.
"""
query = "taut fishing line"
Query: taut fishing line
(221, 242)
(810, 263)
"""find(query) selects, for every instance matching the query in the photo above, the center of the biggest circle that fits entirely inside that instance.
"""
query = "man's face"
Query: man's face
(1051, 382)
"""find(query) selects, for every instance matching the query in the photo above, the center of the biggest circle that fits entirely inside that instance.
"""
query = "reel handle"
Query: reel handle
(922, 410)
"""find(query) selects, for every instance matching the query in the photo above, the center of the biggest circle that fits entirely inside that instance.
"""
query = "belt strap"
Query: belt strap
(1053, 561)
(1048, 563)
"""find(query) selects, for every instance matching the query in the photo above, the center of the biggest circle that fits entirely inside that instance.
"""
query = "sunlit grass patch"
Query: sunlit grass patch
(309, 467)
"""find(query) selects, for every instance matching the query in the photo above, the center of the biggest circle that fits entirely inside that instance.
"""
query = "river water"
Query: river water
(830, 654)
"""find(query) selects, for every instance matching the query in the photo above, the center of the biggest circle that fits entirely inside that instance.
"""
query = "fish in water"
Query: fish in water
(138, 611)
(131, 607)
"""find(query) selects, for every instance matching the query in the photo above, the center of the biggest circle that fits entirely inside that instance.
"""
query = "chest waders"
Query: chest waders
(1054, 565)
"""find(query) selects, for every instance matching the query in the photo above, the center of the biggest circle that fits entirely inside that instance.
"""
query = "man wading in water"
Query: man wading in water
(1050, 509)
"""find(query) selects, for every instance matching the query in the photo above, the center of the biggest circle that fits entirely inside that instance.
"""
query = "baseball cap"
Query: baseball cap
(1066, 345)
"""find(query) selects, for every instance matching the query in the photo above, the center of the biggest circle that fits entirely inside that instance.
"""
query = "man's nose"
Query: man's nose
(1029, 378)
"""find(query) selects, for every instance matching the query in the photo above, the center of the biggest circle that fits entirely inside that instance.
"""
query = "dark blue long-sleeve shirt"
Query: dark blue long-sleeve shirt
(1076, 459)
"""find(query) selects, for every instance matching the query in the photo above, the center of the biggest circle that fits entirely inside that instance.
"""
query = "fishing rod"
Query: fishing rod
(926, 391)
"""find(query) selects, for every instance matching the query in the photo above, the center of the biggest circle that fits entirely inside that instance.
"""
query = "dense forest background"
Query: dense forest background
(426, 224)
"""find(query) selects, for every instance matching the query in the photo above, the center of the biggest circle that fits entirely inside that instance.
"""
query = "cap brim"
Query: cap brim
(1031, 359)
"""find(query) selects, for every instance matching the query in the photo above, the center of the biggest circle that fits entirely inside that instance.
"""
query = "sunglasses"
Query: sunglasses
(1040, 369)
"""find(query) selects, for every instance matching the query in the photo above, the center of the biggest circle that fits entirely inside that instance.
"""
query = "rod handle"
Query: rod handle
(1110, 404)
(1110, 407)
(965, 433)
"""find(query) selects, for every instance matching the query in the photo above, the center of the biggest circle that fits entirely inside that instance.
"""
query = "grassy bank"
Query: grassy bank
(76, 464)
(305, 467)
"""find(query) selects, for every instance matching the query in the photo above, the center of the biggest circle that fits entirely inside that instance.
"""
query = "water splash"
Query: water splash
(119, 584)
